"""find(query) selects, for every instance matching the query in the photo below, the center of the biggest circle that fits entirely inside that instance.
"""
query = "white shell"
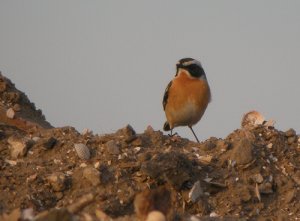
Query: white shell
(82, 151)
(156, 216)
(252, 118)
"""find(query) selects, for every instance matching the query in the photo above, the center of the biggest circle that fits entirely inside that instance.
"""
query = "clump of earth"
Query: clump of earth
(49, 173)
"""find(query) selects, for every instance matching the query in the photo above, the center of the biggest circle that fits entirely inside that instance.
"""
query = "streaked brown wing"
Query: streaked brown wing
(166, 95)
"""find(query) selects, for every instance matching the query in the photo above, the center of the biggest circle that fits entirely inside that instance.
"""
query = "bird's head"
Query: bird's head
(192, 66)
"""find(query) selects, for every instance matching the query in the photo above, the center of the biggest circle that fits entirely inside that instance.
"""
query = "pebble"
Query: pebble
(292, 139)
(16, 107)
(50, 143)
(265, 188)
(252, 118)
(258, 178)
(92, 175)
(11, 162)
(18, 147)
(290, 132)
(82, 151)
(57, 181)
(156, 216)
(36, 139)
(128, 133)
(112, 147)
(195, 192)
(97, 165)
(270, 145)
(83, 165)
(28, 214)
(10, 113)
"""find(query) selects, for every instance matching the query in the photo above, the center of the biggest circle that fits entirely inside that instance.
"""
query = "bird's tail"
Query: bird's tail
(167, 126)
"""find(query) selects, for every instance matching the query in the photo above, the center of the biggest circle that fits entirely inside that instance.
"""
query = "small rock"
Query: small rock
(50, 143)
(31, 178)
(112, 147)
(265, 188)
(269, 123)
(83, 165)
(205, 159)
(156, 216)
(270, 145)
(195, 192)
(16, 107)
(18, 147)
(252, 119)
(97, 165)
(149, 130)
(82, 151)
(213, 214)
(10, 113)
(258, 178)
(92, 175)
(28, 214)
(36, 139)
(242, 152)
(58, 181)
(128, 133)
(290, 132)
(11, 162)
(291, 140)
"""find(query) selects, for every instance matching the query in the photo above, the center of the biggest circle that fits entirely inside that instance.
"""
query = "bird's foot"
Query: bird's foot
(174, 137)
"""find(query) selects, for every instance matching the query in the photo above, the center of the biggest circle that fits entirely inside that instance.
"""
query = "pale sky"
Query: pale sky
(104, 64)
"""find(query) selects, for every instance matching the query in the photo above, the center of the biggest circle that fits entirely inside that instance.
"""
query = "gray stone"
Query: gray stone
(196, 192)
(128, 133)
(112, 147)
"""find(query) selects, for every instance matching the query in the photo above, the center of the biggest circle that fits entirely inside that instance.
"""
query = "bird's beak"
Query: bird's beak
(179, 65)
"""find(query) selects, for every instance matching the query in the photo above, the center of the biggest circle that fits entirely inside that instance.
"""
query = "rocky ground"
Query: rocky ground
(52, 174)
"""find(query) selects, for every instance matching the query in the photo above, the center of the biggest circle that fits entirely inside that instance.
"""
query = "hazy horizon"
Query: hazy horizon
(104, 64)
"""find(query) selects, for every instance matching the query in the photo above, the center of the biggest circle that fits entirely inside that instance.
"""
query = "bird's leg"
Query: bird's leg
(194, 134)
(171, 134)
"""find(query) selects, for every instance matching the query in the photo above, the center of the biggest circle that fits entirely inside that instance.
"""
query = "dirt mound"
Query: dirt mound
(17, 110)
(61, 174)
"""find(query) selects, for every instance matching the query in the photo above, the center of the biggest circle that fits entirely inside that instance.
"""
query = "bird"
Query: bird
(187, 96)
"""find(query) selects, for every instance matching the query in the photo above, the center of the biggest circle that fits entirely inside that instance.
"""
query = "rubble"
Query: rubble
(60, 174)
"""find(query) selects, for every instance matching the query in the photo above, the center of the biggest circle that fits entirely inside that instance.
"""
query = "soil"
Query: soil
(252, 174)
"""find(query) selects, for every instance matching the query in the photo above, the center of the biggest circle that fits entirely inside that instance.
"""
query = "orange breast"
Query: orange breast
(187, 101)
